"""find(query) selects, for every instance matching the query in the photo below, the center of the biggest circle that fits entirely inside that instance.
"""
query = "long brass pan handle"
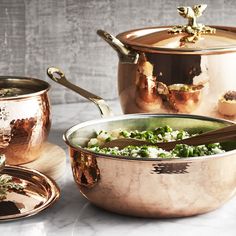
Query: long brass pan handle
(59, 77)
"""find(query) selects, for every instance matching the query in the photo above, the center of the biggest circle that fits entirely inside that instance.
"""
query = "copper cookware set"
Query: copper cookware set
(169, 69)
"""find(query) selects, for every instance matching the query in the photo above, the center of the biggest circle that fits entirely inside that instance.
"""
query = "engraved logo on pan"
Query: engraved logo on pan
(170, 168)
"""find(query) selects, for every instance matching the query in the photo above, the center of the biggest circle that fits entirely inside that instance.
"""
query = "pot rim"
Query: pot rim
(125, 158)
(167, 50)
(45, 87)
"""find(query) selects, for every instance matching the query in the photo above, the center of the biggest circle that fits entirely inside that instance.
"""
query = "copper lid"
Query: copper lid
(25, 192)
(158, 39)
(193, 38)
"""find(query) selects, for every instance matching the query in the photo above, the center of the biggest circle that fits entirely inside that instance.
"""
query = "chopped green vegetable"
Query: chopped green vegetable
(160, 134)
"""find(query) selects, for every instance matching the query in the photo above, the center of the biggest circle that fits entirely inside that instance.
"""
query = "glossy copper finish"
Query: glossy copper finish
(159, 40)
(39, 192)
(192, 55)
(159, 188)
(138, 89)
(24, 119)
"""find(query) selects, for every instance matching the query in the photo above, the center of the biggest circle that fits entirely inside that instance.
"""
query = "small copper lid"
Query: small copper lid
(25, 192)
(192, 38)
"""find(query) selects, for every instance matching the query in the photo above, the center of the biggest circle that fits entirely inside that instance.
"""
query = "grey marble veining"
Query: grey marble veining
(36, 34)
(74, 215)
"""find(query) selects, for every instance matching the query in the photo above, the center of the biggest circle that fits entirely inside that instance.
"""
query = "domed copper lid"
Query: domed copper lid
(193, 38)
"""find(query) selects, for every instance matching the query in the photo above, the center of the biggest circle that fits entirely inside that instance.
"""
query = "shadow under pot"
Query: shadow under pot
(24, 118)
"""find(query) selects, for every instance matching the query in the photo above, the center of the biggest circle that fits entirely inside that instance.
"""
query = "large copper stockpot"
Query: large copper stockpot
(176, 69)
(149, 187)
(24, 118)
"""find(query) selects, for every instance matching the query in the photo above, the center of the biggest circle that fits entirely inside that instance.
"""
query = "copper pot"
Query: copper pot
(152, 187)
(149, 187)
(24, 118)
(192, 55)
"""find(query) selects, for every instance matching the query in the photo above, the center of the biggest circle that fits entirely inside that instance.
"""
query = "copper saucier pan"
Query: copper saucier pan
(148, 187)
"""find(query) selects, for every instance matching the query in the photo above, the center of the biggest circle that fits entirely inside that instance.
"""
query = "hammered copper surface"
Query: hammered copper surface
(39, 192)
(152, 187)
(24, 120)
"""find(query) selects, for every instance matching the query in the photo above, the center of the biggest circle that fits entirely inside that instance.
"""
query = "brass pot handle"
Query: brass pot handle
(58, 76)
(125, 55)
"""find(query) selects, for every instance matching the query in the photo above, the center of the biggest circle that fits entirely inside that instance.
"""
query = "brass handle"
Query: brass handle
(125, 55)
(2, 162)
(58, 76)
(193, 30)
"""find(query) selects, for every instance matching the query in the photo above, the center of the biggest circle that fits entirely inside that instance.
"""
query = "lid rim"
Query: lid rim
(157, 49)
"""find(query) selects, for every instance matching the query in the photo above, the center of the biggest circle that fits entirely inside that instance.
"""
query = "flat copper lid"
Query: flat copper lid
(157, 39)
(39, 192)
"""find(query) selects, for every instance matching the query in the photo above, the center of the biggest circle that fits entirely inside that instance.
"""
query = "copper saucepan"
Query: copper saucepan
(24, 118)
(177, 69)
(149, 187)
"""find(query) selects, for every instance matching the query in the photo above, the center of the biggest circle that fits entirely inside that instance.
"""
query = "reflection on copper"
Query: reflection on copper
(85, 169)
(151, 88)
(170, 168)
(153, 95)
(184, 101)
(8, 208)
(39, 192)
(22, 128)
(147, 97)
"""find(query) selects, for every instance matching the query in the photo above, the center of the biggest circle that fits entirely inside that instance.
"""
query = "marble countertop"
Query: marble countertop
(74, 215)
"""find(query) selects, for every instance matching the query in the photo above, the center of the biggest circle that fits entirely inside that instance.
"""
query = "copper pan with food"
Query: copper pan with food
(198, 61)
(24, 118)
(144, 181)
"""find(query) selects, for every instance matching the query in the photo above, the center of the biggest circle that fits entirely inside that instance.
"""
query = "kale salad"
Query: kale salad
(160, 134)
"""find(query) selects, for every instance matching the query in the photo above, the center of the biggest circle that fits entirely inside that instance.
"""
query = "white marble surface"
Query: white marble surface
(74, 215)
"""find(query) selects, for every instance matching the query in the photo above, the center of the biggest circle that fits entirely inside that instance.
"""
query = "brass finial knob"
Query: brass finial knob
(192, 29)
